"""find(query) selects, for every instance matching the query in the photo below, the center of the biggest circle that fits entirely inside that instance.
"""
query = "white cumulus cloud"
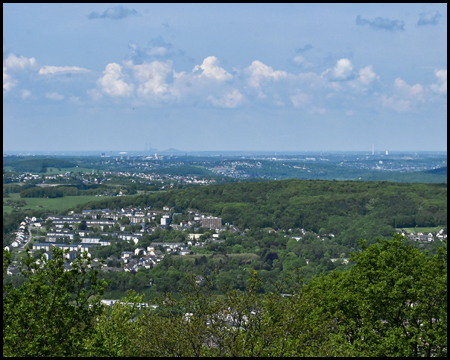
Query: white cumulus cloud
(50, 70)
(158, 51)
(342, 71)
(441, 86)
(396, 104)
(210, 68)
(301, 61)
(405, 97)
(152, 77)
(230, 100)
(300, 99)
(415, 91)
(206, 81)
(8, 81)
(54, 96)
(259, 72)
(367, 75)
(112, 84)
(18, 62)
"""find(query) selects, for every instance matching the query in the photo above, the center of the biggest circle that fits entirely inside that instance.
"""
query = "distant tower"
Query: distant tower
(387, 152)
(373, 149)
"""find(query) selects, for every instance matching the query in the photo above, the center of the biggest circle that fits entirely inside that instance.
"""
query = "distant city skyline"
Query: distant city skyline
(212, 153)
(224, 77)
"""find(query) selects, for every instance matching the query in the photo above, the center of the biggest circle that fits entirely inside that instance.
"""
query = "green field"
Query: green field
(57, 204)
(424, 229)
(54, 171)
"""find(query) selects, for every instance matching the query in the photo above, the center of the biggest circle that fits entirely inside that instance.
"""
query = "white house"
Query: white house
(194, 236)
(139, 250)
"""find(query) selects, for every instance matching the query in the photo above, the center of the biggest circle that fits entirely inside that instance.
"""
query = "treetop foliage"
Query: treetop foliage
(392, 302)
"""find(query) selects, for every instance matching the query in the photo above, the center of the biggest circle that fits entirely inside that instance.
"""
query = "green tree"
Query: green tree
(124, 220)
(54, 311)
(115, 329)
(48, 224)
(392, 302)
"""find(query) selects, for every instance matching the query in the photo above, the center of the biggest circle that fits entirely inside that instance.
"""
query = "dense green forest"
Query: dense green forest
(35, 164)
(349, 210)
(392, 302)
(231, 262)
(61, 191)
(297, 250)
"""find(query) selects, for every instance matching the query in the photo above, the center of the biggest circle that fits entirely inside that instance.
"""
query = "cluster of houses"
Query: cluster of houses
(28, 177)
(149, 258)
(423, 237)
(143, 178)
(74, 233)
(161, 178)
(21, 237)
(57, 176)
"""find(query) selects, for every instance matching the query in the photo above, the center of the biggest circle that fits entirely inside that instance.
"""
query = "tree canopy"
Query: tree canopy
(392, 302)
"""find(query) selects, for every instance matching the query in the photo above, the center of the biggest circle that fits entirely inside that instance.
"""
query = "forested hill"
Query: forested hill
(438, 171)
(350, 210)
(34, 164)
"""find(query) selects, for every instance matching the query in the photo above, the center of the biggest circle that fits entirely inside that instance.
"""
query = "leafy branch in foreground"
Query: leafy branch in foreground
(54, 310)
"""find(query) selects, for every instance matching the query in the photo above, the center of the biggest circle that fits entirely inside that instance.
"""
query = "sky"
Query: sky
(224, 77)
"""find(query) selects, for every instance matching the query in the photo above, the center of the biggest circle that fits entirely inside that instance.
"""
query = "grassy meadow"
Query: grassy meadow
(56, 204)
(55, 171)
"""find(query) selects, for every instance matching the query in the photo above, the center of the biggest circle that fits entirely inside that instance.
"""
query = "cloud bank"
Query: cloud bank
(114, 13)
(303, 49)
(155, 82)
(381, 23)
(51, 70)
(429, 18)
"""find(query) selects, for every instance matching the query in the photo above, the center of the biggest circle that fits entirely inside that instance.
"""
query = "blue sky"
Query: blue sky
(292, 77)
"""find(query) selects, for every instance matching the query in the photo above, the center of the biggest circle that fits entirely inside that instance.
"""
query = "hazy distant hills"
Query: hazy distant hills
(173, 151)
(427, 176)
